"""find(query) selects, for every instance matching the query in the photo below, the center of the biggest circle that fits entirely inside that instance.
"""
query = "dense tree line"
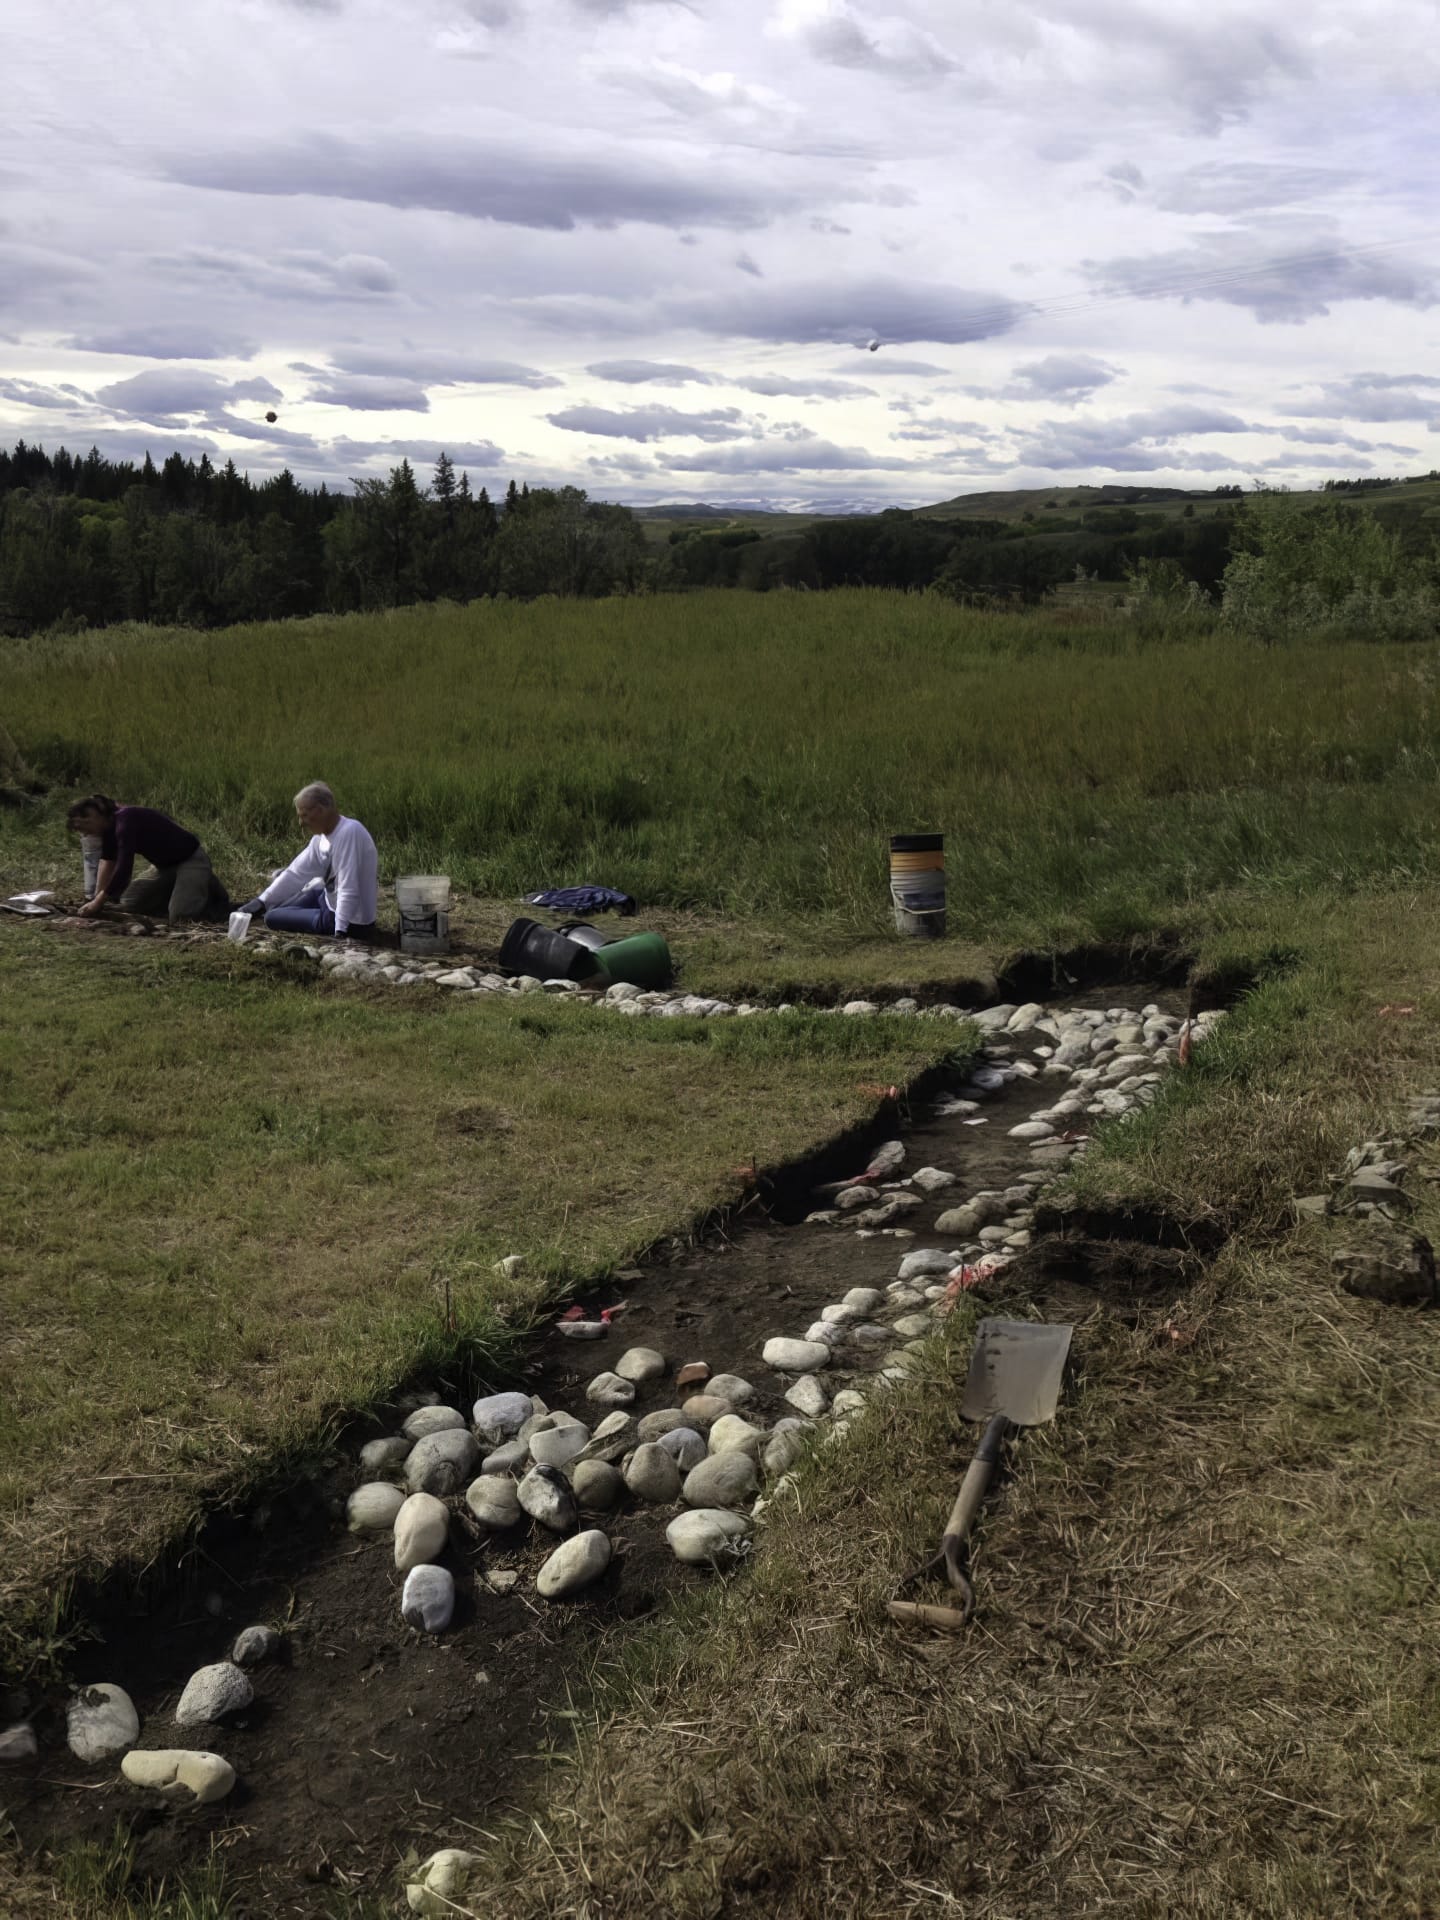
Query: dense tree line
(91, 541)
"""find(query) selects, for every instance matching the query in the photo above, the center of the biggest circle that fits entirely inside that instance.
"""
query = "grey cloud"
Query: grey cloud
(936, 427)
(490, 13)
(30, 393)
(895, 310)
(190, 342)
(693, 95)
(819, 224)
(1216, 69)
(1124, 180)
(300, 273)
(465, 453)
(1376, 397)
(1329, 437)
(1282, 275)
(488, 180)
(371, 394)
(786, 457)
(802, 386)
(1060, 376)
(437, 367)
(227, 421)
(747, 265)
(885, 364)
(27, 271)
(651, 422)
(635, 373)
(884, 45)
(166, 394)
(1242, 186)
(1136, 442)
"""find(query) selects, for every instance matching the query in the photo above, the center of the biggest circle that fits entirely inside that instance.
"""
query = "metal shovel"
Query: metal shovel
(1016, 1367)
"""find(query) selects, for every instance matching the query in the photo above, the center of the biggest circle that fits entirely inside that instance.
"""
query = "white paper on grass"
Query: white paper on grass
(239, 927)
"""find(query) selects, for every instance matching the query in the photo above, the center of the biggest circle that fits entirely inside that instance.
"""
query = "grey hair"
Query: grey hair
(317, 794)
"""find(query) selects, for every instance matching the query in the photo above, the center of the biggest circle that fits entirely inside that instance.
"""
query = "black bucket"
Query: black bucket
(544, 954)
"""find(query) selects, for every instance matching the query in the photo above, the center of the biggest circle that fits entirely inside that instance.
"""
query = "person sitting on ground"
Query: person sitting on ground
(331, 886)
(183, 885)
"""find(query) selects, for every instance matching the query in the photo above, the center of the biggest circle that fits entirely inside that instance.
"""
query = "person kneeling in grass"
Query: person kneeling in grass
(329, 888)
(182, 885)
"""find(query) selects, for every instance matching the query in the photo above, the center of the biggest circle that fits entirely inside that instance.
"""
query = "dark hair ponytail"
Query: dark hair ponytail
(100, 803)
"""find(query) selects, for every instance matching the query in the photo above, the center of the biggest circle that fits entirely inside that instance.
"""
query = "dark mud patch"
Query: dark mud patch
(1107, 1221)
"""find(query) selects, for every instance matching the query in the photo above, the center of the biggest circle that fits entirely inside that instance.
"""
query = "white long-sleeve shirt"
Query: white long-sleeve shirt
(344, 861)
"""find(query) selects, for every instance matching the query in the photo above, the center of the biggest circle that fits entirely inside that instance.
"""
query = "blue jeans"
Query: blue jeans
(309, 912)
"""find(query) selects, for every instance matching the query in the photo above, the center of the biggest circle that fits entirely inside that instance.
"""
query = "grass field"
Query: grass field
(749, 757)
(229, 1200)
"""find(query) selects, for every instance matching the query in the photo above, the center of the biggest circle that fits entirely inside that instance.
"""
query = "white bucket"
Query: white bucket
(919, 903)
(423, 902)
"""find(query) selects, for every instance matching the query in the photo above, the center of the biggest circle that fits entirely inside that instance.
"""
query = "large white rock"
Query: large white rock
(254, 1645)
(783, 1450)
(440, 1882)
(426, 1420)
(500, 1416)
(494, 1501)
(1032, 1130)
(729, 1386)
(379, 1457)
(558, 1446)
(373, 1507)
(652, 1473)
(722, 1480)
(795, 1356)
(513, 1457)
(732, 1433)
(422, 1527)
(546, 1495)
(640, 1363)
(213, 1692)
(708, 1537)
(609, 1390)
(653, 1426)
(685, 1446)
(931, 1179)
(441, 1463)
(428, 1601)
(864, 1299)
(17, 1743)
(807, 1396)
(101, 1721)
(598, 1486)
(205, 1775)
(927, 1260)
(574, 1564)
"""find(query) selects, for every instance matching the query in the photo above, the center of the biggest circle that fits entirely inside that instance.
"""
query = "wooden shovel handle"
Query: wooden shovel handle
(970, 1498)
(916, 1613)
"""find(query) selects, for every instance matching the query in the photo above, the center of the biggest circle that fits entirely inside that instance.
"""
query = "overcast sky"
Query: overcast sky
(643, 245)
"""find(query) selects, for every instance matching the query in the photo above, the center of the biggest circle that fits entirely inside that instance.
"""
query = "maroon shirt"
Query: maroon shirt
(161, 840)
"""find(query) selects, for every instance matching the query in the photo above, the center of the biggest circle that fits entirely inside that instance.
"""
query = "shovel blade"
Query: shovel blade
(1016, 1368)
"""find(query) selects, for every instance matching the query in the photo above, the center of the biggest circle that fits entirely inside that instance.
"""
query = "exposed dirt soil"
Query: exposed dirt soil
(367, 1740)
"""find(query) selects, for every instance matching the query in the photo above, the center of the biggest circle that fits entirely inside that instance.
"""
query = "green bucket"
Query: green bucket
(643, 960)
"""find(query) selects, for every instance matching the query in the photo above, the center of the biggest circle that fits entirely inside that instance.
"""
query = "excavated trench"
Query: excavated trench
(368, 1741)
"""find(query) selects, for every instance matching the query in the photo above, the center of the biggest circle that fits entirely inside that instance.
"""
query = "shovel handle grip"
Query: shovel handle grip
(973, 1488)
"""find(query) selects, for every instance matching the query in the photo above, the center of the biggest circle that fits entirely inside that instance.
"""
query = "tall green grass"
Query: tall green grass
(752, 754)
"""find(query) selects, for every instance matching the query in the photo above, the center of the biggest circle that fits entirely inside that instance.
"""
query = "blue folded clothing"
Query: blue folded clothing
(582, 900)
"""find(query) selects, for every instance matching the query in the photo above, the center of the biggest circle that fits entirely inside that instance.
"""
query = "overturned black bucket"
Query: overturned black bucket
(544, 954)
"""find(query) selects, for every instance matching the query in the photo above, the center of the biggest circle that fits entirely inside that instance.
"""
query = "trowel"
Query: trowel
(1016, 1369)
